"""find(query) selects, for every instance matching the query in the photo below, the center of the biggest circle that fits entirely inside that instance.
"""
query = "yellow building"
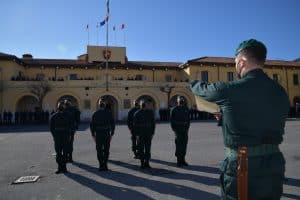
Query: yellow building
(29, 83)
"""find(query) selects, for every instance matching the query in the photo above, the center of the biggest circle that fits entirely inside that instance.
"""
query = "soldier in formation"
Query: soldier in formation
(130, 126)
(102, 128)
(60, 127)
(180, 124)
(144, 126)
(74, 115)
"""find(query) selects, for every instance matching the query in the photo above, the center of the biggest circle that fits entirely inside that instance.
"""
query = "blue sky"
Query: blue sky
(155, 30)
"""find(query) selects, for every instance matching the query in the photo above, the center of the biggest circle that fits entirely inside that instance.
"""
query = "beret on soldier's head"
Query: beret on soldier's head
(251, 43)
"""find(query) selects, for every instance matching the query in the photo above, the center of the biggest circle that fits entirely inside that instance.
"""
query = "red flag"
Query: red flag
(122, 26)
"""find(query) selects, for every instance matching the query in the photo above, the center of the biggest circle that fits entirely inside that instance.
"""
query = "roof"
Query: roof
(230, 61)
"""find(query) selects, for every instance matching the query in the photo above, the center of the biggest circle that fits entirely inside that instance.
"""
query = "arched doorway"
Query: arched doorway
(111, 103)
(73, 100)
(147, 98)
(173, 100)
(27, 103)
(297, 105)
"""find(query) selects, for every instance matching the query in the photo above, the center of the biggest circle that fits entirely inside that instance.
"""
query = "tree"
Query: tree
(40, 89)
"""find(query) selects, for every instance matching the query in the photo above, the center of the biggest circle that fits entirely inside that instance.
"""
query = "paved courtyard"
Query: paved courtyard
(28, 150)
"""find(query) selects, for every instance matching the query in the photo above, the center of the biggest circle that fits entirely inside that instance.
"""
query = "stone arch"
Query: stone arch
(188, 96)
(71, 98)
(148, 98)
(173, 100)
(27, 103)
(154, 98)
(111, 104)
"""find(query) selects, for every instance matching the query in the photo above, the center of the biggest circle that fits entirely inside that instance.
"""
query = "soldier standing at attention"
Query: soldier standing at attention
(60, 126)
(74, 115)
(180, 124)
(102, 129)
(144, 125)
(131, 112)
(254, 109)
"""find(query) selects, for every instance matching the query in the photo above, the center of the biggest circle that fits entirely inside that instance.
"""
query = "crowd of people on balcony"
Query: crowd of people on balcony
(24, 117)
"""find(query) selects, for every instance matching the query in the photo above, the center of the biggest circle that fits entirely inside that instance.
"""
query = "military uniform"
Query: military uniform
(254, 109)
(102, 129)
(144, 125)
(132, 131)
(74, 115)
(180, 123)
(60, 127)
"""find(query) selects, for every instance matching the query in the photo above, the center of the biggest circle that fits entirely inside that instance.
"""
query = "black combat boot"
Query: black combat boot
(70, 158)
(184, 163)
(179, 162)
(147, 165)
(143, 164)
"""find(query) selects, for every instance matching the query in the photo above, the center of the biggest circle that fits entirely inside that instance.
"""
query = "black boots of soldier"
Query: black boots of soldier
(145, 164)
(69, 158)
(61, 169)
(181, 162)
(103, 166)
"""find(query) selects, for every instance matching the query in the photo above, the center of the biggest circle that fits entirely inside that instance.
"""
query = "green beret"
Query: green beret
(251, 43)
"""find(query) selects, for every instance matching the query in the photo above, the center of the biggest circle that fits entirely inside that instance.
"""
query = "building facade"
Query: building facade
(29, 84)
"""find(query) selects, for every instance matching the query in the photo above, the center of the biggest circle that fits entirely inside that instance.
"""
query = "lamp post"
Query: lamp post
(167, 89)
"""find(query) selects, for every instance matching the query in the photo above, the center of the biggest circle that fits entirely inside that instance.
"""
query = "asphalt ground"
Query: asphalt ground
(28, 150)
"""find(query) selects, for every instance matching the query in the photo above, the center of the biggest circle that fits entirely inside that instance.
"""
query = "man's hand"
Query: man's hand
(218, 115)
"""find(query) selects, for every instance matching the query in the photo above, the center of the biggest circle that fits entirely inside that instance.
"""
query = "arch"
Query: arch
(111, 104)
(173, 100)
(27, 103)
(147, 98)
(153, 96)
(187, 95)
(71, 98)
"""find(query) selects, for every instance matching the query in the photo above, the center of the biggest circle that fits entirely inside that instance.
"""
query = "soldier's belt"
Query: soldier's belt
(102, 127)
(61, 129)
(180, 123)
(260, 150)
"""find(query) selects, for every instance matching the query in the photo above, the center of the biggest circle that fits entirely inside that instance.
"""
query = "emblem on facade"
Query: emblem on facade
(106, 54)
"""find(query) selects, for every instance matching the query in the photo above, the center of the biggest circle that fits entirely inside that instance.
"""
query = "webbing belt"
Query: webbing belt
(264, 149)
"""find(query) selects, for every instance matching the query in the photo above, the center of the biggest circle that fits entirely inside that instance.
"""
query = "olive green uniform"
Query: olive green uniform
(180, 124)
(130, 126)
(254, 109)
(102, 128)
(60, 127)
(144, 126)
(74, 115)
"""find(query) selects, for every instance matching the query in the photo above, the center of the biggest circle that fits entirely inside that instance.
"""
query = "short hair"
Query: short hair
(67, 102)
(253, 50)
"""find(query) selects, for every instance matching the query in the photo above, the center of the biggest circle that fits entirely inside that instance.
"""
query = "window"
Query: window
(296, 79)
(229, 76)
(275, 77)
(87, 104)
(126, 103)
(204, 76)
(140, 77)
(40, 77)
(73, 77)
(168, 78)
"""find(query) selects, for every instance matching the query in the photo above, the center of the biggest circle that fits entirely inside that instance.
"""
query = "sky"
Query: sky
(155, 30)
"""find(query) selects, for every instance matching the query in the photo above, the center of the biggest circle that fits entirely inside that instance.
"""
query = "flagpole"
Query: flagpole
(106, 51)
(97, 27)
